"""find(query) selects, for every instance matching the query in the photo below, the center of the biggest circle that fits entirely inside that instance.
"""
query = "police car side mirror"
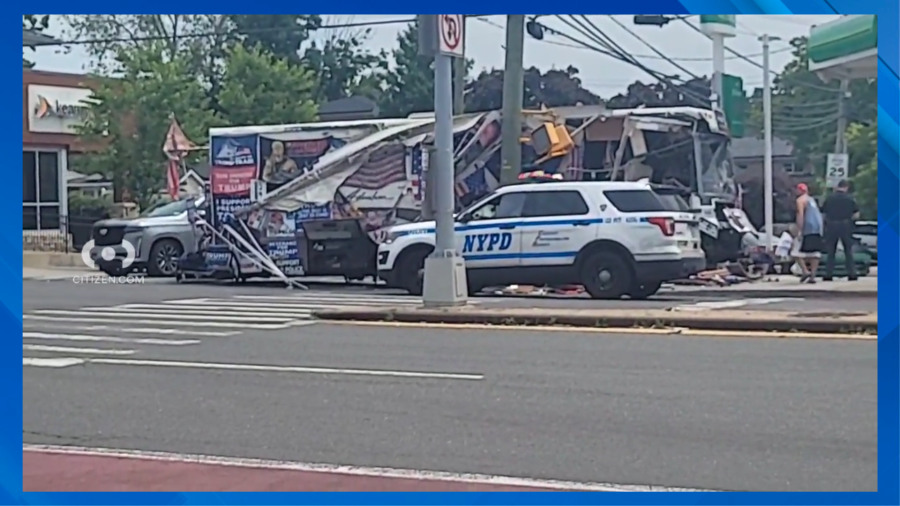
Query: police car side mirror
(464, 218)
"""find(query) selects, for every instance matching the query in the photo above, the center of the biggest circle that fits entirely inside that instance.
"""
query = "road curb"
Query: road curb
(768, 294)
(51, 259)
(790, 322)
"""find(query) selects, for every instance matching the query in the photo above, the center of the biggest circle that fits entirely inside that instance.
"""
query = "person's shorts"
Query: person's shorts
(810, 246)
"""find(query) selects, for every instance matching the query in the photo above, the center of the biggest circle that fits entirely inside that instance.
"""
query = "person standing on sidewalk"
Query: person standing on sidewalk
(840, 210)
(809, 233)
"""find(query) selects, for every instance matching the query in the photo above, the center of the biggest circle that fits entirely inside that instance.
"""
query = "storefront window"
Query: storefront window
(40, 190)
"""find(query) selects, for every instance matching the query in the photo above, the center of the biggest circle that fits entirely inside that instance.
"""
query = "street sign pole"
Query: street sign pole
(445, 271)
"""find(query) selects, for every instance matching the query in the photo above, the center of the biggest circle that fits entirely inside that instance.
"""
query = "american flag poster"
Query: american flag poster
(385, 166)
(417, 171)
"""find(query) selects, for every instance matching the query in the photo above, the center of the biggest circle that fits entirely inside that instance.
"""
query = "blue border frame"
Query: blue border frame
(888, 350)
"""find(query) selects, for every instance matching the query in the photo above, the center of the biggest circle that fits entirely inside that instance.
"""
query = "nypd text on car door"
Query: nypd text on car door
(489, 235)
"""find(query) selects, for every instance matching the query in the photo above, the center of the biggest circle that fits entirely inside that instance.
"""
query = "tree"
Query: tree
(805, 109)
(259, 88)
(34, 23)
(409, 86)
(862, 141)
(129, 116)
(692, 93)
(554, 88)
(281, 35)
(344, 66)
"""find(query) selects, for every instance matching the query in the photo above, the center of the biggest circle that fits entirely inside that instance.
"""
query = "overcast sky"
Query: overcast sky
(601, 74)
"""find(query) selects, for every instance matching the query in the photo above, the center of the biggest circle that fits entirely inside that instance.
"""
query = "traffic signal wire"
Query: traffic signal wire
(149, 38)
(608, 47)
(759, 66)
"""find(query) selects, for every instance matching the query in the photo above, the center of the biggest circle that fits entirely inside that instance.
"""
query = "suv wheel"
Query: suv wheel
(606, 275)
(641, 292)
(114, 269)
(164, 255)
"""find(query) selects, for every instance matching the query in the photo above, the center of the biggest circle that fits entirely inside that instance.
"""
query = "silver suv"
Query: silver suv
(158, 238)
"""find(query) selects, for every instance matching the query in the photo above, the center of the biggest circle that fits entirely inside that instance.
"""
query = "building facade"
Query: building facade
(52, 108)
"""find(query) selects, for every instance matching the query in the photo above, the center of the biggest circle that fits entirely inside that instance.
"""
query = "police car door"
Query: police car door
(555, 225)
(489, 235)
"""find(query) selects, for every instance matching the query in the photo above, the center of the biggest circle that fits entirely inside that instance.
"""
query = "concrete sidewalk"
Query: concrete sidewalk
(52, 260)
(747, 321)
(786, 286)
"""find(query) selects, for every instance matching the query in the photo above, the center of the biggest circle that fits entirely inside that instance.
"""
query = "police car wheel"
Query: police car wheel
(640, 292)
(412, 265)
(606, 275)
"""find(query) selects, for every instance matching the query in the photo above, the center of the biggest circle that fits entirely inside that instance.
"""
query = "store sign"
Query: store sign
(56, 109)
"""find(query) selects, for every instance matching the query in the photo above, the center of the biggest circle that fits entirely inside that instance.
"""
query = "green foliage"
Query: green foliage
(862, 142)
(659, 94)
(280, 35)
(258, 88)
(83, 205)
(344, 66)
(553, 88)
(34, 23)
(409, 86)
(805, 112)
(130, 116)
(805, 109)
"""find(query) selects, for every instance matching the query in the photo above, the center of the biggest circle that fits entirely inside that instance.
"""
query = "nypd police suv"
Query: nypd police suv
(614, 238)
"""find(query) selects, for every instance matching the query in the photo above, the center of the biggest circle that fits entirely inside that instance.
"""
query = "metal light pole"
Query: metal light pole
(513, 89)
(445, 274)
(768, 186)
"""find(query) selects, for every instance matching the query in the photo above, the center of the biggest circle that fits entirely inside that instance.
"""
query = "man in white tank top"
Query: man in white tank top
(809, 234)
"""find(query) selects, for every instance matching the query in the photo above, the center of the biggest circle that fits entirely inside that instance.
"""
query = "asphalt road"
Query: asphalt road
(711, 413)
(66, 294)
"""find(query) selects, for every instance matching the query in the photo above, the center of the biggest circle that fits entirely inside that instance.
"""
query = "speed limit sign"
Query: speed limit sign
(837, 168)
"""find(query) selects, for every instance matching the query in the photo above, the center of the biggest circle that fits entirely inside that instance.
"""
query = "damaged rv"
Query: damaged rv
(318, 197)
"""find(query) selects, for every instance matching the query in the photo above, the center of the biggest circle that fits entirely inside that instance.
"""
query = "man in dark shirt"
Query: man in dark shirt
(840, 211)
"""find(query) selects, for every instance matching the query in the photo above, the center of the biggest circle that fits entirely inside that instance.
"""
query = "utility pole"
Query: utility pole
(840, 143)
(513, 89)
(459, 83)
(768, 186)
(443, 36)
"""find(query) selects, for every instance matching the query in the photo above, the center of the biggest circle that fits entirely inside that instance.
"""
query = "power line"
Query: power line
(653, 48)
(150, 38)
(581, 47)
(610, 48)
(755, 64)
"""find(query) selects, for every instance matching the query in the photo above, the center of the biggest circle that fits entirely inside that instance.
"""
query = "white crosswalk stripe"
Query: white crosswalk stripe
(54, 335)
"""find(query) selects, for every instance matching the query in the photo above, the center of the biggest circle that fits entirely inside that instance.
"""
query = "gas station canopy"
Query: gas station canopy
(846, 48)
